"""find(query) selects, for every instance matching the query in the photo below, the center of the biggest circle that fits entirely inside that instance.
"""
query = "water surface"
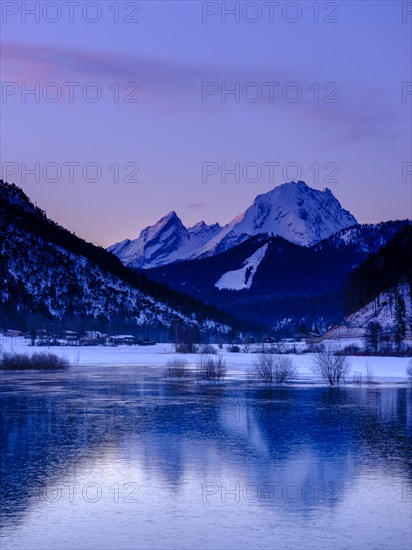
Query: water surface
(119, 458)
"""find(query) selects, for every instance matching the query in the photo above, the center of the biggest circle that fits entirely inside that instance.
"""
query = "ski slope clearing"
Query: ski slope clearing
(242, 278)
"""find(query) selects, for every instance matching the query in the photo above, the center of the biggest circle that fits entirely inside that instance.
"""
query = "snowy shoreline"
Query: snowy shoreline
(386, 370)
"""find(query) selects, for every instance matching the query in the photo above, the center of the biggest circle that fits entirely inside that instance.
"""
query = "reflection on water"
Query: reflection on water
(120, 458)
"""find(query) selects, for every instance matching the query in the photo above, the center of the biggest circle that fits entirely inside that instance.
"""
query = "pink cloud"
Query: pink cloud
(161, 82)
(196, 206)
(170, 87)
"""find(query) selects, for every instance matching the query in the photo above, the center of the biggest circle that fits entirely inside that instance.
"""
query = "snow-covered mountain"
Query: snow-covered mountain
(49, 276)
(294, 211)
(270, 280)
(166, 241)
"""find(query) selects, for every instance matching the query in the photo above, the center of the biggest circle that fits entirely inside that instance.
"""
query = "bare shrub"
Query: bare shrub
(208, 348)
(16, 361)
(186, 348)
(37, 361)
(48, 361)
(370, 375)
(262, 369)
(409, 371)
(247, 344)
(234, 348)
(211, 367)
(273, 347)
(351, 349)
(330, 367)
(269, 369)
(177, 368)
(284, 370)
(315, 348)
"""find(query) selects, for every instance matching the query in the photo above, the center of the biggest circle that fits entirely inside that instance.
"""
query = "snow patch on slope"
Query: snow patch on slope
(241, 279)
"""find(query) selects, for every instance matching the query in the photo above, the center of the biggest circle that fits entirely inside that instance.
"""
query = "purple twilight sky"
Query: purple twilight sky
(321, 91)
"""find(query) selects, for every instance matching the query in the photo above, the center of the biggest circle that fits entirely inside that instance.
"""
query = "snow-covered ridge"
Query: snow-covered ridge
(382, 309)
(48, 273)
(294, 211)
(166, 241)
(368, 238)
(54, 278)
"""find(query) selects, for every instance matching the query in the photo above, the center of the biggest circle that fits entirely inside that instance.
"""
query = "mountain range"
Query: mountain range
(294, 211)
(294, 257)
(271, 281)
(286, 260)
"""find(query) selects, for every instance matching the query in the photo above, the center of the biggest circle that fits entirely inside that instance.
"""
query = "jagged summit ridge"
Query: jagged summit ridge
(166, 241)
(293, 210)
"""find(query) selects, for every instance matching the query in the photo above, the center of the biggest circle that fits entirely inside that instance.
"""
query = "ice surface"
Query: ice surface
(385, 369)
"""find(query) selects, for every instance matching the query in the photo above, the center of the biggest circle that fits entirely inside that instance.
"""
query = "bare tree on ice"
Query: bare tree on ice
(332, 368)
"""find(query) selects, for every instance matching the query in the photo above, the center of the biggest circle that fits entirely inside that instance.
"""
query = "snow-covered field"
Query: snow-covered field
(385, 369)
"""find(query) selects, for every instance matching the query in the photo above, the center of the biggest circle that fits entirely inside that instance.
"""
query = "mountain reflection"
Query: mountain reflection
(230, 433)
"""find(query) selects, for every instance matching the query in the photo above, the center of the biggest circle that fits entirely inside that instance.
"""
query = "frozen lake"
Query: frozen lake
(120, 458)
